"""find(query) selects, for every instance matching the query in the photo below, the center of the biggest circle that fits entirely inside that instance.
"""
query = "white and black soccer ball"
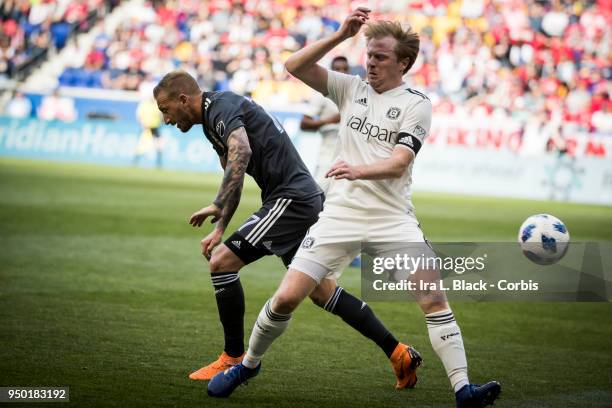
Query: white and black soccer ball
(544, 239)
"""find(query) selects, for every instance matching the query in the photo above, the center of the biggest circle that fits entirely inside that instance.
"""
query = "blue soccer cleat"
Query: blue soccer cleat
(478, 396)
(223, 384)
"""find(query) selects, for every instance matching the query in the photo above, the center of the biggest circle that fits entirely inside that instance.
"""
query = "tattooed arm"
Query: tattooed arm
(228, 197)
(238, 156)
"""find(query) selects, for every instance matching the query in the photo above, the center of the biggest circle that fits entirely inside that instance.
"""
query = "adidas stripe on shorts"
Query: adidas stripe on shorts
(277, 228)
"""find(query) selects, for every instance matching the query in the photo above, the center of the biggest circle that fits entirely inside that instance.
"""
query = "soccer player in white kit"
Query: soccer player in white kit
(383, 125)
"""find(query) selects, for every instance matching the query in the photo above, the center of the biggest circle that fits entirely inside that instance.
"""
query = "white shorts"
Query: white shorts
(334, 241)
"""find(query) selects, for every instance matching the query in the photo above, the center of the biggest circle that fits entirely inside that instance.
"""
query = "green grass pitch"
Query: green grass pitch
(103, 289)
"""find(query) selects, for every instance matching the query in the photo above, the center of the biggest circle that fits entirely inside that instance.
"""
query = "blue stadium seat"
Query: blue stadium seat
(60, 32)
(66, 78)
(81, 78)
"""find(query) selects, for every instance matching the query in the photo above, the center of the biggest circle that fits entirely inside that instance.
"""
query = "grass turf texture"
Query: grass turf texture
(103, 289)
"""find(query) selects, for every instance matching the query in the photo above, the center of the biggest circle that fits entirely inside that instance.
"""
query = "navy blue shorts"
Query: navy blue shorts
(277, 228)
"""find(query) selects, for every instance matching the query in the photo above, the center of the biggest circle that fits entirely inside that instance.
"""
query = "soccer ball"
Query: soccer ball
(544, 239)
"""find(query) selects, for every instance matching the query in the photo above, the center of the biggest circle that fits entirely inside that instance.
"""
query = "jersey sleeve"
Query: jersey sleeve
(225, 115)
(339, 86)
(415, 127)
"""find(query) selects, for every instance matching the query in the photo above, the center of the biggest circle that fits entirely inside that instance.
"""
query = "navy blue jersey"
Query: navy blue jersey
(275, 164)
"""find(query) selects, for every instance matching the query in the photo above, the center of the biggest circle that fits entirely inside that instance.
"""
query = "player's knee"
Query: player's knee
(215, 264)
(323, 292)
(317, 299)
(285, 303)
(433, 305)
(219, 263)
(224, 260)
(319, 296)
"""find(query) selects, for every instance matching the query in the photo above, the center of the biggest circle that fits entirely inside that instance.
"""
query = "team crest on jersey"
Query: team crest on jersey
(220, 128)
(419, 131)
(393, 112)
(308, 242)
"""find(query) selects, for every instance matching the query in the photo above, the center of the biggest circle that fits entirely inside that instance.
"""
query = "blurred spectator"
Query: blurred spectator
(478, 57)
(601, 120)
(555, 21)
(19, 106)
(56, 107)
(150, 119)
(323, 116)
(29, 28)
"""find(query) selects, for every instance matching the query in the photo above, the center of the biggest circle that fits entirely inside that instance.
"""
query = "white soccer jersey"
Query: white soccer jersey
(371, 126)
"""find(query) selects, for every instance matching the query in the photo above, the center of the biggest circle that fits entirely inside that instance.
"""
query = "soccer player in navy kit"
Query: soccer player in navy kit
(250, 141)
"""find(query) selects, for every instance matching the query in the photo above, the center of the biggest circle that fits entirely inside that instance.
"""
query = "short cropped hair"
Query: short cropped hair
(339, 58)
(408, 42)
(175, 83)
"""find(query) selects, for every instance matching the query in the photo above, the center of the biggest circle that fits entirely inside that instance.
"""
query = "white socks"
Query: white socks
(444, 334)
(446, 340)
(268, 326)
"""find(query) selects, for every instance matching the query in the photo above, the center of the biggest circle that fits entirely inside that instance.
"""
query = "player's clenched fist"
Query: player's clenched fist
(198, 217)
(353, 22)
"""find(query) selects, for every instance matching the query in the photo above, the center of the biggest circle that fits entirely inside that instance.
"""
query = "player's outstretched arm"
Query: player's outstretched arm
(303, 64)
(393, 167)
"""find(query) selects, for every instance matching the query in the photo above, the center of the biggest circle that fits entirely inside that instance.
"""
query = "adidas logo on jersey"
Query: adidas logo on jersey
(406, 140)
(236, 244)
(362, 101)
(268, 245)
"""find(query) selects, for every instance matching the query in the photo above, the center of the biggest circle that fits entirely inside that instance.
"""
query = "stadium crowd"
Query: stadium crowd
(547, 61)
(28, 28)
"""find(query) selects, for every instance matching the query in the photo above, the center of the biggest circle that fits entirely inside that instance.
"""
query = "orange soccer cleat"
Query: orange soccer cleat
(405, 361)
(223, 363)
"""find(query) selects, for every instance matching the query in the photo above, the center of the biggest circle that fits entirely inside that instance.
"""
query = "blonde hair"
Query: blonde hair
(407, 46)
(175, 83)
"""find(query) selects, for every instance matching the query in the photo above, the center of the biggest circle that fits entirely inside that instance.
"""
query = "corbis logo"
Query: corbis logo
(393, 112)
